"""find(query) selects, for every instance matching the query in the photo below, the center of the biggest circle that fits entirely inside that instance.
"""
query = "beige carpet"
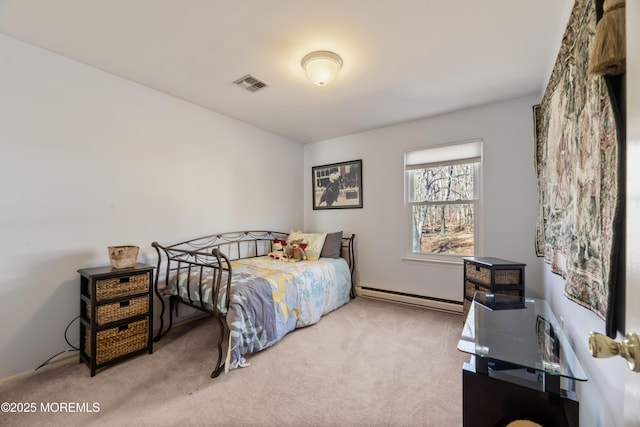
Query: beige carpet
(369, 363)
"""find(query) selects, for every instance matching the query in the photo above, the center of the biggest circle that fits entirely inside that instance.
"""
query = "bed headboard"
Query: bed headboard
(244, 244)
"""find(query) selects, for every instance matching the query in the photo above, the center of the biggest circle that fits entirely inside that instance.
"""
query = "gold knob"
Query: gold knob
(602, 346)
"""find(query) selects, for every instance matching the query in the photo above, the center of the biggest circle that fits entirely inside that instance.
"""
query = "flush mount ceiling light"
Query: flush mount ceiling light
(322, 66)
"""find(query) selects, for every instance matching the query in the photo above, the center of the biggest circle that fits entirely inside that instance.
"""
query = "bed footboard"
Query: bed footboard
(192, 267)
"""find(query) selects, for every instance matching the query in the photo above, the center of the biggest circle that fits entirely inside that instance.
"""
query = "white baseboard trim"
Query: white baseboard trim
(409, 299)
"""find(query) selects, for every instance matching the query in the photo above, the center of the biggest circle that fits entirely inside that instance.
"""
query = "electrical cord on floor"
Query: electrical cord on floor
(67, 330)
(71, 346)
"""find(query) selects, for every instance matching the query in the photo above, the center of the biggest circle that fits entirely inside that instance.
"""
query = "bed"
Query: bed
(256, 298)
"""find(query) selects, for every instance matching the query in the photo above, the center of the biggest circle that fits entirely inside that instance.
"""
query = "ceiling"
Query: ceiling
(403, 59)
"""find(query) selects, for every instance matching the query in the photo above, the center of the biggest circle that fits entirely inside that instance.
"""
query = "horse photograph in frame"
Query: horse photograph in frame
(337, 185)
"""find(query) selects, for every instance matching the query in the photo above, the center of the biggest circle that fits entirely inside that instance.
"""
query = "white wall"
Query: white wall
(510, 196)
(602, 395)
(632, 318)
(90, 160)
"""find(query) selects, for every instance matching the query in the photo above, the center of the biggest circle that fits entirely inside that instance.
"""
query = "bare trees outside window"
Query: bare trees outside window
(442, 199)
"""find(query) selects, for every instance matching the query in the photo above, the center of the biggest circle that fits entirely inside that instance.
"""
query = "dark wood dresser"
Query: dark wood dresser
(116, 314)
(492, 275)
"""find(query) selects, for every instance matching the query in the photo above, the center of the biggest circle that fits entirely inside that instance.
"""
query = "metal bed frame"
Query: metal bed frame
(215, 253)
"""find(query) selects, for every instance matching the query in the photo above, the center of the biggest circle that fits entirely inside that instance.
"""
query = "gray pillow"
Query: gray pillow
(332, 245)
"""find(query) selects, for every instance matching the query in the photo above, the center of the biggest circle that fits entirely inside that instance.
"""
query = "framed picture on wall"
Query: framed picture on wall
(338, 185)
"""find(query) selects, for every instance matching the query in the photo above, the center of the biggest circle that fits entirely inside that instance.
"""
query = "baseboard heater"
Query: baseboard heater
(410, 299)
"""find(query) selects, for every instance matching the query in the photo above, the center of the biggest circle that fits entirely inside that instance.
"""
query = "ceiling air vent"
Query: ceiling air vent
(250, 83)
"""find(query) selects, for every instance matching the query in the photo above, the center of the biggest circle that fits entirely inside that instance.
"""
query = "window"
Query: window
(442, 195)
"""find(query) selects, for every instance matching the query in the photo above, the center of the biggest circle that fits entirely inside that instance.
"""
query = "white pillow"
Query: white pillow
(314, 241)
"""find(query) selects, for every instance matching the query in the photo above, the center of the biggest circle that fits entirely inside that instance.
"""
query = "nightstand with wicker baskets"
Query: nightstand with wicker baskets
(493, 275)
(116, 314)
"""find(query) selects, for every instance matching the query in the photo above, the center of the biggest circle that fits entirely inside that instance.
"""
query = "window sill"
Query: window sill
(419, 260)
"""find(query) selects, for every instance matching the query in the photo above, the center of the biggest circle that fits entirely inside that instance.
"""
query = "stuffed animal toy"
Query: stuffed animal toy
(278, 250)
(295, 251)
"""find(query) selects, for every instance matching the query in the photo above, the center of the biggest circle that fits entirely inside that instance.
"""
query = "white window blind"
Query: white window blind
(468, 152)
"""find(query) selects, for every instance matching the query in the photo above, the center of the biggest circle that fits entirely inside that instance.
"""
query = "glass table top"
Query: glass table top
(521, 331)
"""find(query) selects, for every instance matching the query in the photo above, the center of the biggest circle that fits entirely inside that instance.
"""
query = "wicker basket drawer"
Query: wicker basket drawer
(471, 288)
(107, 313)
(502, 277)
(117, 287)
(118, 341)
